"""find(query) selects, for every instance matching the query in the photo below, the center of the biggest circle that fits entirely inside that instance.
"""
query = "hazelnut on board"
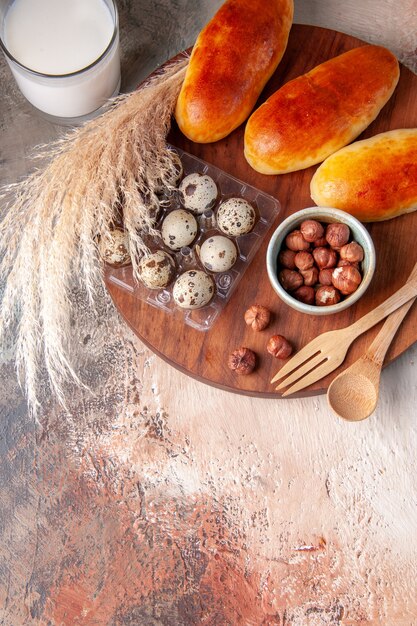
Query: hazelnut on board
(242, 361)
(279, 347)
(257, 317)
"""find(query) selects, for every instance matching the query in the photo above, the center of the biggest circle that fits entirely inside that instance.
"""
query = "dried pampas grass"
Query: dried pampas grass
(51, 223)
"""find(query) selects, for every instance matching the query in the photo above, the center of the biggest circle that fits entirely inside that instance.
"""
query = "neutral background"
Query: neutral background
(158, 500)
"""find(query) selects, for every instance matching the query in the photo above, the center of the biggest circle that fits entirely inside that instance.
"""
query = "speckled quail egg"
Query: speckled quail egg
(198, 192)
(218, 253)
(236, 217)
(193, 289)
(156, 270)
(114, 249)
(178, 229)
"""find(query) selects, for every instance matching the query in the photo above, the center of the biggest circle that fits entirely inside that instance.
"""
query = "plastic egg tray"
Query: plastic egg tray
(267, 208)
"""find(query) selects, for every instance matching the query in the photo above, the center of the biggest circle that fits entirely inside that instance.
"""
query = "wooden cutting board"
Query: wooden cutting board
(203, 355)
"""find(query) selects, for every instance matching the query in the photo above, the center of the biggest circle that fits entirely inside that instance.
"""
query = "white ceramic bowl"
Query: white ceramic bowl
(325, 215)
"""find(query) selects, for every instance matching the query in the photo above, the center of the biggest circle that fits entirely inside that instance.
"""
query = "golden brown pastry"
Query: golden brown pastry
(233, 58)
(373, 179)
(318, 113)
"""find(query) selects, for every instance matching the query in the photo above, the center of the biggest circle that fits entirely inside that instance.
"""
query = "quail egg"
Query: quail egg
(156, 270)
(218, 253)
(178, 229)
(236, 217)
(198, 192)
(193, 289)
(114, 249)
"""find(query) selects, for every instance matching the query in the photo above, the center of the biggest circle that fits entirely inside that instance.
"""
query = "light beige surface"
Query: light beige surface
(312, 519)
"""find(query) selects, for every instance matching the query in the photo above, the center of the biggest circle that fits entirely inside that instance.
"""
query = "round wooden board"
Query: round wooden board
(203, 355)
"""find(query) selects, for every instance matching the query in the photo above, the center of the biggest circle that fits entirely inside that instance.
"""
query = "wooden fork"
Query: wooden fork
(327, 351)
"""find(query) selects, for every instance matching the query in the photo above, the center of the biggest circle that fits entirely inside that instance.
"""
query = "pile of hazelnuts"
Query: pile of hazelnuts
(320, 263)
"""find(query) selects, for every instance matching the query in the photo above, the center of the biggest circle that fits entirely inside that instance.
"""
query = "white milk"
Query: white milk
(58, 37)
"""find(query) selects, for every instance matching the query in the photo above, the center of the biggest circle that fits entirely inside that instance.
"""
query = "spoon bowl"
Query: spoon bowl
(353, 394)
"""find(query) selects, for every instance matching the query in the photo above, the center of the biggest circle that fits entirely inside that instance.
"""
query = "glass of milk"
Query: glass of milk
(64, 54)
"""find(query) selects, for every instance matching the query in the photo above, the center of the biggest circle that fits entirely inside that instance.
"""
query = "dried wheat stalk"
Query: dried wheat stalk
(52, 219)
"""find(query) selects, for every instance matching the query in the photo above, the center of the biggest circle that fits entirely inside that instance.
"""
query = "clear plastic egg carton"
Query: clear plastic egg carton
(187, 258)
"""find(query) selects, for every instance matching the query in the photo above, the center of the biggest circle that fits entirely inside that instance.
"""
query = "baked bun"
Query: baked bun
(374, 179)
(318, 113)
(233, 58)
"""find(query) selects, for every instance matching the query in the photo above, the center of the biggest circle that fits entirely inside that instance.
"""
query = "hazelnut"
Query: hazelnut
(286, 259)
(319, 243)
(337, 235)
(242, 361)
(325, 276)
(343, 263)
(346, 279)
(351, 252)
(327, 295)
(290, 279)
(303, 260)
(295, 241)
(305, 294)
(325, 257)
(311, 230)
(258, 317)
(279, 347)
(310, 276)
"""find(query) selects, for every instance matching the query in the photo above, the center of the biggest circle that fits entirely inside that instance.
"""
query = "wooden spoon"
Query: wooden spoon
(353, 394)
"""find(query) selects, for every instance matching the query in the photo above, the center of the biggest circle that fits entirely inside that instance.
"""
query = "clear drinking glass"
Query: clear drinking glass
(74, 96)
